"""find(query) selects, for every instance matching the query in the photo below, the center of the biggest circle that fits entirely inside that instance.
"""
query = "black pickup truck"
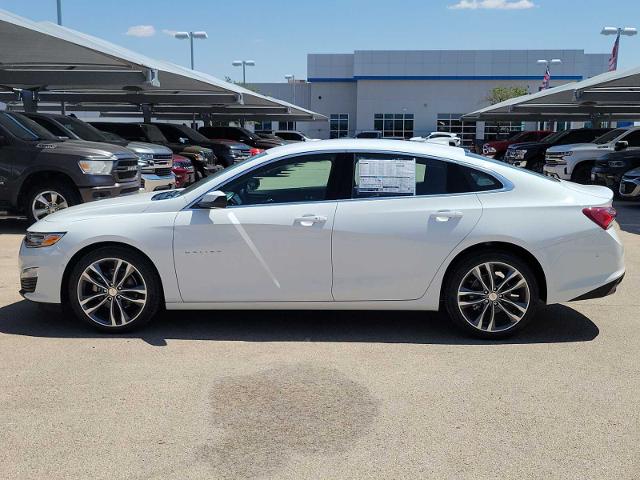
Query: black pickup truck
(40, 174)
(530, 155)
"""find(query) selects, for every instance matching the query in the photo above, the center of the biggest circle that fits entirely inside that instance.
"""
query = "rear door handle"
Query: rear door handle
(309, 220)
(446, 215)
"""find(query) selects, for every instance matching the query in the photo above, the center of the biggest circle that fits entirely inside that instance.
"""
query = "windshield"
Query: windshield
(24, 128)
(607, 137)
(555, 136)
(83, 130)
(113, 137)
(154, 135)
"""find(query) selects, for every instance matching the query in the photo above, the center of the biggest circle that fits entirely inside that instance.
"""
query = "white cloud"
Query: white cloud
(171, 33)
(492, 5)
(141, 31)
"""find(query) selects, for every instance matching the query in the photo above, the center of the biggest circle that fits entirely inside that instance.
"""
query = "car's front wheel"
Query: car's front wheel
(114, 289)
(491, 295)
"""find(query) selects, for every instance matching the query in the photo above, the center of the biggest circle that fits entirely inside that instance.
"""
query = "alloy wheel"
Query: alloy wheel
(112, 292)
(493, 297)
(46, 203)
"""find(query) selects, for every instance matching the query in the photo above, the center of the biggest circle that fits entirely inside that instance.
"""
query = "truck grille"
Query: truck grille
(126, 170)
(161, 172)
(162, 156)
(626, 188)
(555, 158)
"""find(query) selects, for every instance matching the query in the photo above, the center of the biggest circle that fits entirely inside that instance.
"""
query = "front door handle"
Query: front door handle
(309, 220)
(446, 215)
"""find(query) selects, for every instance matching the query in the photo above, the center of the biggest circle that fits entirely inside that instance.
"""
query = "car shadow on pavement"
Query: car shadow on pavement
(13, 225)
(556, 323)
(628, 215)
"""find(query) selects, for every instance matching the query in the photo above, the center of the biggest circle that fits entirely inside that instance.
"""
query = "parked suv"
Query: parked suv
(530, 155)
(294, 136)
(203, 159)
(40, 174)
(240, 134)
(497, 148)
(610, 168)
(227, 152)
(155, 160)
(630, 184)
(574, 162)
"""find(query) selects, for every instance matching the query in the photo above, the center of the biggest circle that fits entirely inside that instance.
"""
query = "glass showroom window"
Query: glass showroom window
(501, 130)
(394, 124)
(286, 125)
(338, 125)
(450, 122)
(263, 127)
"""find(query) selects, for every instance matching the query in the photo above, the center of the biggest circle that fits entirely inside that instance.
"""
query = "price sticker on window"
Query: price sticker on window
(386, 176)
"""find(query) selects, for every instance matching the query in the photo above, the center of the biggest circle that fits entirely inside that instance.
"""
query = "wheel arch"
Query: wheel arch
(95, 246)
(43, 177)
(512, 248)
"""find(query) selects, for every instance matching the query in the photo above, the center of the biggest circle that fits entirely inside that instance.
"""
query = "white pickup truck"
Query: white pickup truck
(574, 162)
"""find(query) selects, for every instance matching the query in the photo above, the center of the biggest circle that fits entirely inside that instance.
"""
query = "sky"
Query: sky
(278, 34)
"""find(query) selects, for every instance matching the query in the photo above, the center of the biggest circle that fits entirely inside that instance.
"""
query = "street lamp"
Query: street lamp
(292, 79)
(191, 36)
(244, 64)
(627, 31)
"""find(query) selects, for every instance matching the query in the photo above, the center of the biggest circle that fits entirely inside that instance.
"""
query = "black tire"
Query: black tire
(582, 173)
(536, 165)
(144, 268)
(64, 190)
(458, 273)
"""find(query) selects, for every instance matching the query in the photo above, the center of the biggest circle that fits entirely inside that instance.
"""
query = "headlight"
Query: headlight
(616, 163)
(37, 240)
(488, 149)
(520, 154)
(198, 157)
(96, 167)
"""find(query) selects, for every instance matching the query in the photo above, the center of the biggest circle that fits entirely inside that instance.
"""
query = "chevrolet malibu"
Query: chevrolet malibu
(336, 224)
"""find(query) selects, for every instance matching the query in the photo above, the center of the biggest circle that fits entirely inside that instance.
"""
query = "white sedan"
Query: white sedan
(335, 224)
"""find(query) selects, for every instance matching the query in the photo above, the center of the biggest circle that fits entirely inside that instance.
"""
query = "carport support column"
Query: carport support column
(146, 113)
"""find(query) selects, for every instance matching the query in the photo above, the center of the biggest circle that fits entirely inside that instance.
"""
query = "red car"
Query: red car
(497, 148)
(183, 170)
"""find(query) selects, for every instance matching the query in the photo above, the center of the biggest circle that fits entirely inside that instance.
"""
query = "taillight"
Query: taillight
(601, 216)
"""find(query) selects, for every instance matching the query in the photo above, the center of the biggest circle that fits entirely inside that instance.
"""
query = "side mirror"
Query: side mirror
(621, 145)
(183, 140)
(215, 199)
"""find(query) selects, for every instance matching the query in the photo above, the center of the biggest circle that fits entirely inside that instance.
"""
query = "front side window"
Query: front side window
(306, 178)
(338, 125)
(24, 128)
(392, 175)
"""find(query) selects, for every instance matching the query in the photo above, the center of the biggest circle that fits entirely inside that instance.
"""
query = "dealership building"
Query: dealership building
(414, 92)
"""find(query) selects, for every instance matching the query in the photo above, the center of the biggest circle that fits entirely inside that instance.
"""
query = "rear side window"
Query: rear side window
(389, 175)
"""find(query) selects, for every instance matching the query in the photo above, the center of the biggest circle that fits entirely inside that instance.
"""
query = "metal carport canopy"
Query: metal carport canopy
(61, 64)
(608, 96)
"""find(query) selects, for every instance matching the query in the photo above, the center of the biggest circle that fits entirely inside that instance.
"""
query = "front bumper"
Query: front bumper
(629, 187)
(607, 177)
(155, 183)
(90, 194)
(556, 171)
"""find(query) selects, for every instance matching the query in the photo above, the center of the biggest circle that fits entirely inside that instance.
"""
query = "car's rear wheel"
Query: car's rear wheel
(491, 295)
(114, 289)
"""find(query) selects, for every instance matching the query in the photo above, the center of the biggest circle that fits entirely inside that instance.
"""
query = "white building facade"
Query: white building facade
(411, 93)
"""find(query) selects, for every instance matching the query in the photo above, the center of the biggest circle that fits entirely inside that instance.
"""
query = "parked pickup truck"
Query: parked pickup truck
(530, 155)
(612, 166)
(155, 160)
(40, 174)
(497, 148)
(574, 162)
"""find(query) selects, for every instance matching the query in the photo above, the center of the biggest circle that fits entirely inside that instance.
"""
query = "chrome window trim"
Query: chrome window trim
(507, 185)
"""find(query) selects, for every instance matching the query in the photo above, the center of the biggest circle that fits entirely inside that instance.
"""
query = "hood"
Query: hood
(527, 145)
(82, 148)
(633, 173)
(498, 144)
(231, 143)
(575, 146)
(144, 147)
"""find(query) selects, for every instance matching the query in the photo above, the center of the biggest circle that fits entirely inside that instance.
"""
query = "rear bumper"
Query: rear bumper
(90, 194)
(603, 291)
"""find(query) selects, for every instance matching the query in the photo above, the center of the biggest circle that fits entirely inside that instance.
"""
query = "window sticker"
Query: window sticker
(387, 176)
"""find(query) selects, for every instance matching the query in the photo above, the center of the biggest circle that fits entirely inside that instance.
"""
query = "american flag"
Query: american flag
(546, 79)
(613, 59)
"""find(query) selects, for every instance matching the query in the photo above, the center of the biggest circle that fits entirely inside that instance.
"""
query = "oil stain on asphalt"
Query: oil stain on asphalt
(270, 417)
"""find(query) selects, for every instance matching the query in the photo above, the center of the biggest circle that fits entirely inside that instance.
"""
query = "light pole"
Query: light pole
(244, 64)
(627, 31)
(292, 79)
(59, 2)
(191, 36)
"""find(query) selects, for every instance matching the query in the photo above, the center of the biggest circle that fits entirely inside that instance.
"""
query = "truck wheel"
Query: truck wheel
(582, 173)
(43, 200)
(537, 166)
